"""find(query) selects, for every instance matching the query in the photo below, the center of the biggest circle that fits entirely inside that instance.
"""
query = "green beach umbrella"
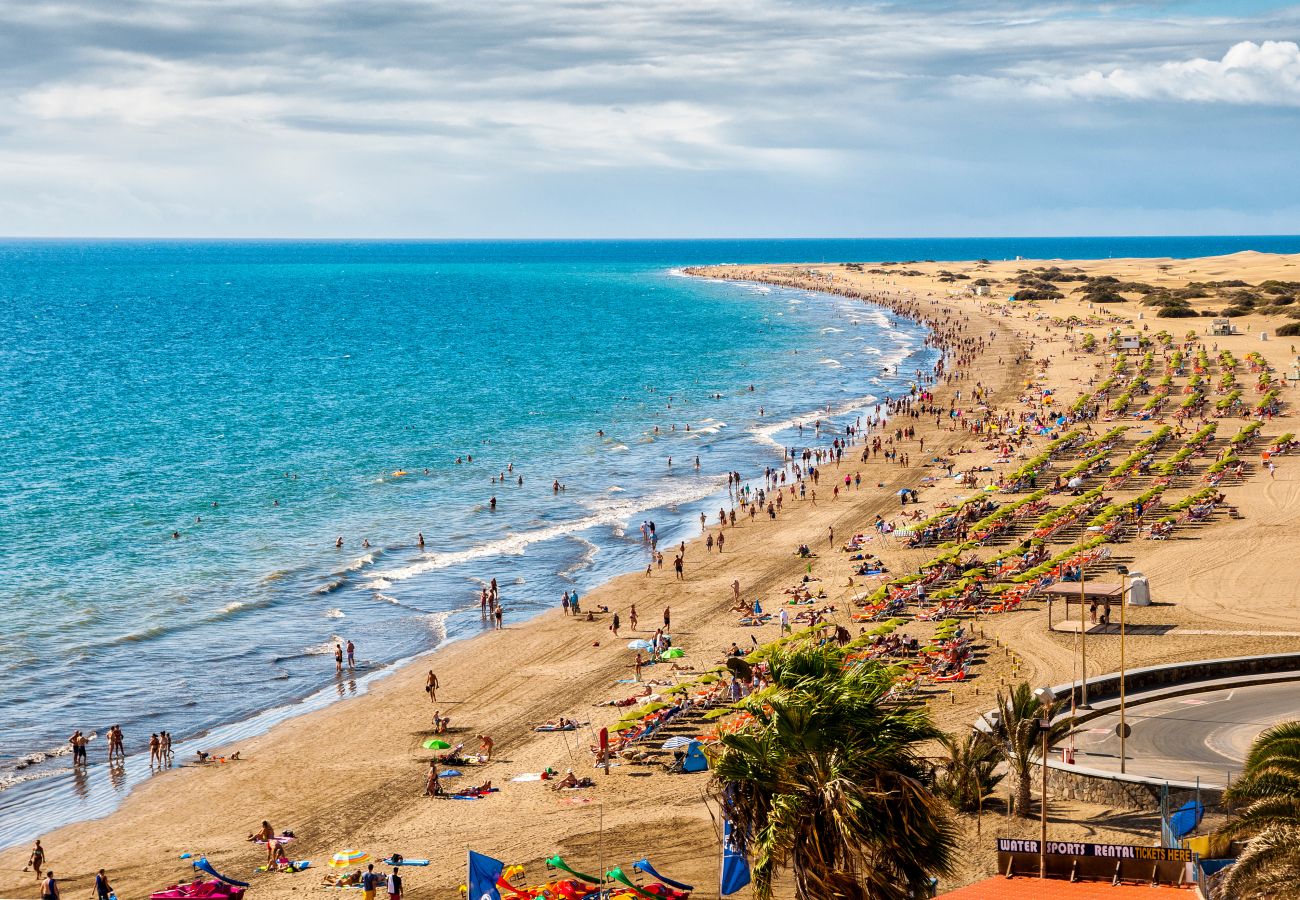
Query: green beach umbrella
(673, 653)
(436, 744)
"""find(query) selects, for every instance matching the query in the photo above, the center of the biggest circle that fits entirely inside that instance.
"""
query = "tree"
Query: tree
(967, 774)
(1015, 731)
(1268, 800)
(828, 781)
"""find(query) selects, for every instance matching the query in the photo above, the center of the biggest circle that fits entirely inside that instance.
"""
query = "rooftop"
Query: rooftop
(999, 888)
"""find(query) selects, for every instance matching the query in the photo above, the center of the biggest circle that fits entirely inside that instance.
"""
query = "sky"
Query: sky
(647, 118)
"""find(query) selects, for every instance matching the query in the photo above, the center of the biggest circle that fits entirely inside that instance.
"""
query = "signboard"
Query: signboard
(1079, 860)
(1097, 851)
(1103, 851)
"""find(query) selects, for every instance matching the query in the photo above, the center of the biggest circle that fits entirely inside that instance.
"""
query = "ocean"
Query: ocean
(262, 399)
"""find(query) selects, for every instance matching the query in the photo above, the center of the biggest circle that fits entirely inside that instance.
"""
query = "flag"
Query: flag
(483, 874)
(735, 867)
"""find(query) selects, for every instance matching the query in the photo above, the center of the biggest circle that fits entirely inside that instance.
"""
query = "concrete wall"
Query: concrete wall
(1152, 678)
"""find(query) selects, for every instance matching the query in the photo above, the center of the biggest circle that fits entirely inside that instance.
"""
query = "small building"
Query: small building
(1221, 327)
(1130, 342)
(980, 290)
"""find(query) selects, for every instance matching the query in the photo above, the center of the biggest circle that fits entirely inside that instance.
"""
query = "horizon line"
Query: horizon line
(540, 240)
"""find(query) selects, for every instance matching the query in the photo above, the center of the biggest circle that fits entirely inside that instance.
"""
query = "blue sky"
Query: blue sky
(647, 118)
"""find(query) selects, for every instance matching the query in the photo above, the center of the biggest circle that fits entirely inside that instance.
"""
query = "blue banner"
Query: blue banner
(483, 874)
(735, 867)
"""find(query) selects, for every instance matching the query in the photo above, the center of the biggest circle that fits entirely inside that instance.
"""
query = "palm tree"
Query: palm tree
(967, 773)
(1268, 797)
(828, 781)
(1015, 730)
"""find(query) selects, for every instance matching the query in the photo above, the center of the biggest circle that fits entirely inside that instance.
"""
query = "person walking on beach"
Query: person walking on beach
(155, 750)
(338, 659)
(636, 666)
(613, 625)
(668, 619)
(394, 885)
(498, 614)
(431, 686)
(369, 882)
(722, 538)
(432, 787)
(103, 890)
(37, 860)
(631, 616)
(564, 603)
(352, 659)
(679, 566)
(49, 887)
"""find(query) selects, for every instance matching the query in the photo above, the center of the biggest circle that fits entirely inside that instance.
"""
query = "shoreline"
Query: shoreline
(110, 787)
(541, 633)
(351, 774)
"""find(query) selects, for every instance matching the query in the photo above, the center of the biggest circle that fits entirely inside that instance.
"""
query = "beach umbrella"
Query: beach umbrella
(674, 653)
(640, 645)
(346, 858)
(436, 744)
(674, 742)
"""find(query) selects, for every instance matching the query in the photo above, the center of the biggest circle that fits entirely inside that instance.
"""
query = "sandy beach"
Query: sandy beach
(352, 775)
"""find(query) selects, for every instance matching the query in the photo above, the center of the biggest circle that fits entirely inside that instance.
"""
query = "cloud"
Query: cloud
(1264, 74)
(517, 116)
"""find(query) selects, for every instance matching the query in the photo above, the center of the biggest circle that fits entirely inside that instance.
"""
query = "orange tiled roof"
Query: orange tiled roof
(1022, 888)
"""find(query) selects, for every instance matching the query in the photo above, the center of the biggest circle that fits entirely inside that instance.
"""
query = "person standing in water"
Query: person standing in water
(352, 659)
(338, 659)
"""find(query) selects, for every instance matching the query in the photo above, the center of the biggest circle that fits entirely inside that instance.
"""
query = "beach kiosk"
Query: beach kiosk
(1221, 327)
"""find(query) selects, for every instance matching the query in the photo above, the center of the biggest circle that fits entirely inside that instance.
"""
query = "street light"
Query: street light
(1046, 698)
(1083, 637)
(1123, 726)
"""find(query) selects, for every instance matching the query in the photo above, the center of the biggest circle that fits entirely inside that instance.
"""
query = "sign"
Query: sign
(1099, 851)
(1124, 730)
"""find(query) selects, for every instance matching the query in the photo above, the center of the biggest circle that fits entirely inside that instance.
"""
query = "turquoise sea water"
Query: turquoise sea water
(257, 397)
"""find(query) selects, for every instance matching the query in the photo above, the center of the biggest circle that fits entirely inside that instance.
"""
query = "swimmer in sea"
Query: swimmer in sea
(339, 543)
(365, 543)
(419, 539)
(492, 504)
(176, 535)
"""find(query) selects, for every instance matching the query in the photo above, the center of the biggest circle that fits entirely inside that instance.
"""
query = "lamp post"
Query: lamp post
(1046, 698)
(1083, 638)
(1123, 726)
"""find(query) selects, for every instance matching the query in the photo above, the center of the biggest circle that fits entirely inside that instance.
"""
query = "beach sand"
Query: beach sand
(351, 775)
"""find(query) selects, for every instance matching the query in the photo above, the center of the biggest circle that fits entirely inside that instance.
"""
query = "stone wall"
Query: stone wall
(1141, 795)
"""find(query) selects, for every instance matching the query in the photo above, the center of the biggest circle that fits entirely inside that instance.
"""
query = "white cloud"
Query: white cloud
(209, 116)
(1249, 73)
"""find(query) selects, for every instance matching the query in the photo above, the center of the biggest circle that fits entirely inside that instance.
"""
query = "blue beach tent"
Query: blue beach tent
(695, 761)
